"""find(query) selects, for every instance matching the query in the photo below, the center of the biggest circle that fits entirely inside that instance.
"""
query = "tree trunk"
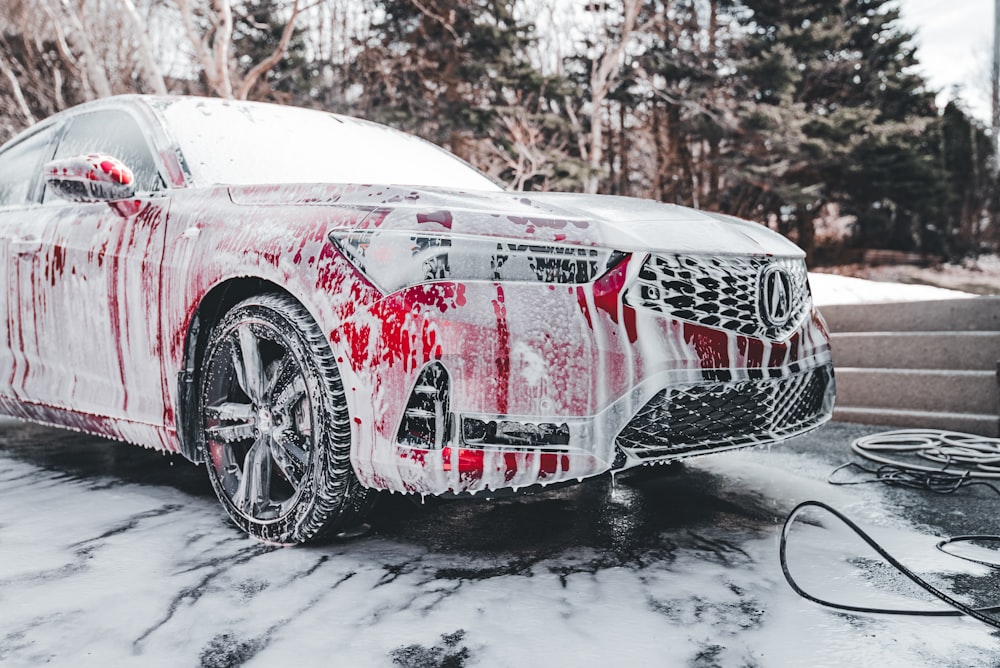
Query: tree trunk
(624, 179)
(806, 233)
(603, 73)
(261, 68)
(77, 34)
(151, 70)
(221, 43)
(16, 88)
(659, 157)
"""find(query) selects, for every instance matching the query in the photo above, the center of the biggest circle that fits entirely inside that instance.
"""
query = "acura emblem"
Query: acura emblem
(774, 296)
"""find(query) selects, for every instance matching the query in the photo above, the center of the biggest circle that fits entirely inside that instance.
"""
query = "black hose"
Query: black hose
(959, 607)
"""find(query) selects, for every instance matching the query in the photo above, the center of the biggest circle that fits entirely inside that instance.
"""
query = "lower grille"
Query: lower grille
(715, 416)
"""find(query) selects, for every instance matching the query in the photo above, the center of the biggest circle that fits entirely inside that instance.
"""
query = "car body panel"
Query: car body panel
(103, 318)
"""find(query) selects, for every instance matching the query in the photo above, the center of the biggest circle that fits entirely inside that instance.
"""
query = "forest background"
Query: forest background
(808, 116)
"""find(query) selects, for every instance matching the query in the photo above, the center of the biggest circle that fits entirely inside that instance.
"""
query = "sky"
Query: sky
(954, 44)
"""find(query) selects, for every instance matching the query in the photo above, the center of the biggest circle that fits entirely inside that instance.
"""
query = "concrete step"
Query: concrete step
(917, 350)
(930, 390)
(969, 423)
(977, 313)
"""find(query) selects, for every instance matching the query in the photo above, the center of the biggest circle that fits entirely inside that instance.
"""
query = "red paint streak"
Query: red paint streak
(793, 347)
(431, 346)
(57, 264)
(752, 351)
(820, 323)
(503, 351)
(127, 208)
(442, 218)
(406, 335)
(471, 463)
(270, 256)
(607, 298)
(440, 296)
(711, 345)
(173, 167)
(118, 172)
(114, 272)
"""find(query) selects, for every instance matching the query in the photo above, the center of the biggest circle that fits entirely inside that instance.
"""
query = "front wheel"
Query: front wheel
(274, 427)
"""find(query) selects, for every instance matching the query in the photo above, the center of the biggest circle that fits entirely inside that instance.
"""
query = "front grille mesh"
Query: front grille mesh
(718, 292)
(705, 417)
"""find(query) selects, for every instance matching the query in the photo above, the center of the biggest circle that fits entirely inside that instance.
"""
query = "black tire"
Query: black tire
(273, 424)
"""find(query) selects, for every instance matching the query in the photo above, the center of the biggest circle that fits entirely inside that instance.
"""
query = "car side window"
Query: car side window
(117, 134)
(20, 165)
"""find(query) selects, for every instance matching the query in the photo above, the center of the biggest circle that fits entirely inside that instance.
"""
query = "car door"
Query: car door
(88, 307)
(20, 166)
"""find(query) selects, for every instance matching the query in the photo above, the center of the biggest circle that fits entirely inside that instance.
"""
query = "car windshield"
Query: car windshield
(242, 143)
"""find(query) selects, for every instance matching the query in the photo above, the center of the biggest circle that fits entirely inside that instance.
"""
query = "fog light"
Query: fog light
(476, 432)
(426, 422)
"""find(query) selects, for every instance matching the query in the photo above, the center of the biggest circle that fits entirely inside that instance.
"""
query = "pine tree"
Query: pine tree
(834, 114)
(442, 69)
(967, 156)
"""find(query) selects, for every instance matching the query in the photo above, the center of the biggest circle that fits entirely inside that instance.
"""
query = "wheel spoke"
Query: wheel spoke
(254, 490)
(290, 394)
(250, 372)
(268, 394)
(280, 375)
(230, 411)
(223, 412)
(290, 458)
(231, 433)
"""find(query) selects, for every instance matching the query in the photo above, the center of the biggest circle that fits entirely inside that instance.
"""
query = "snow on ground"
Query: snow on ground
(830, 289)
(105, 562)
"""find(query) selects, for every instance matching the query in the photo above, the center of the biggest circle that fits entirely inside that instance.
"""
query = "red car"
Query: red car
(319, 307)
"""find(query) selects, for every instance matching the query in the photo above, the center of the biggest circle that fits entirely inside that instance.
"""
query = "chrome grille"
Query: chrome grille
(712, 416)
(720, 292)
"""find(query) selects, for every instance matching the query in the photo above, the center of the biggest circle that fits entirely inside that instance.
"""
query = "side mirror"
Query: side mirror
(90, 178)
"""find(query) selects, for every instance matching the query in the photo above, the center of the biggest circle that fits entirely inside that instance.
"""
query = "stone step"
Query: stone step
(917, 350)
(969, 423)
(977, 314)
(930, 390)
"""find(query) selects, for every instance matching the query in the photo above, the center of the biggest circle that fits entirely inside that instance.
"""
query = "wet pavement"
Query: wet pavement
(115, 555)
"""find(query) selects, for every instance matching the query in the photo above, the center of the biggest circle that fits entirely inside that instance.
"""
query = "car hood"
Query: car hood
(620, 223)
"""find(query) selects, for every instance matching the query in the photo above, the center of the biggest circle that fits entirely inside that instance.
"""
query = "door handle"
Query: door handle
(27, 245)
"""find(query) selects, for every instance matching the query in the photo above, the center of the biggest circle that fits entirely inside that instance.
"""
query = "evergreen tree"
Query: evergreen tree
(443, 69)
(834, 114)
(967, 156)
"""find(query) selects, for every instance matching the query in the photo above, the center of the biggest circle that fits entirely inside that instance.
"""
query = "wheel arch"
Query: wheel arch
(213, 306)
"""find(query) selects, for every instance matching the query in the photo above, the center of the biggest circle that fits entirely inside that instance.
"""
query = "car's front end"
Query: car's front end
(567, 336)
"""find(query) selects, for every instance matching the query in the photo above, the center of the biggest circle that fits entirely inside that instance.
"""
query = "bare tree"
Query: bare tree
(211, 47)
(151, 70)
(16, 90)
(605, 70)
(261, 68)
(69, 23)
(528, 155)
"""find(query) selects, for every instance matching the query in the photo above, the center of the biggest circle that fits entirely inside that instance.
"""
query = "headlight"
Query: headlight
(394, 259)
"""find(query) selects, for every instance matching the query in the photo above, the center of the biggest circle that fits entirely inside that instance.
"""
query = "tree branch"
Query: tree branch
(16, 88)
(263, 66)
(149, 66)
(426, 11)
(220, 46)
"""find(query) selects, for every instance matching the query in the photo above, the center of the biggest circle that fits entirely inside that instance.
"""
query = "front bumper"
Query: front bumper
(674, 415)
(576, 381)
